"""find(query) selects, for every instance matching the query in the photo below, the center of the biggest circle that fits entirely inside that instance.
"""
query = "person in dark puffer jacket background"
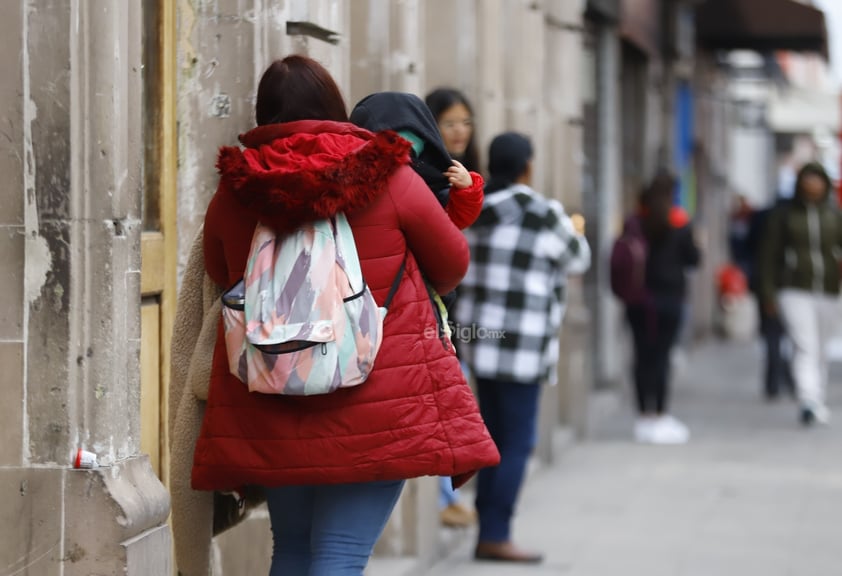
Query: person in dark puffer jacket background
(799, 280)
(333, 465)
(655, 323)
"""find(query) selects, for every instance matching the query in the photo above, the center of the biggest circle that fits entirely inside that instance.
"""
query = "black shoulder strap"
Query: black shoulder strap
(395, 283)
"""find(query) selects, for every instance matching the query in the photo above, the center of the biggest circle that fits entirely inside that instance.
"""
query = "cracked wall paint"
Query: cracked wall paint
(38, 259)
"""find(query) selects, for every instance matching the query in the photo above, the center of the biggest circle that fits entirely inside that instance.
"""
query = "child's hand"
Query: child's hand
(578, 224)
(458, 176)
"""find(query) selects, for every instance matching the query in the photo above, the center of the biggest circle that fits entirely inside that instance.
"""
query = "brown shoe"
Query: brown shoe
(458, 516)
(506, 552)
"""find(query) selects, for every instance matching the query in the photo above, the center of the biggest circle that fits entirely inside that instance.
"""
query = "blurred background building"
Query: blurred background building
(112, 115)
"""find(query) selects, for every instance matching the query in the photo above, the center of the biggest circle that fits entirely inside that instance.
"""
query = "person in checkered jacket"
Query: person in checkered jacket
(508, 316)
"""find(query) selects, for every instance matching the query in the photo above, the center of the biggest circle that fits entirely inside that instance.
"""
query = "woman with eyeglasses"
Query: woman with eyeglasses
(455, 118)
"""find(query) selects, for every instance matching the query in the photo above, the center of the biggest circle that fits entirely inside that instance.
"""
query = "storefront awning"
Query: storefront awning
(797, 111)
(761, 25)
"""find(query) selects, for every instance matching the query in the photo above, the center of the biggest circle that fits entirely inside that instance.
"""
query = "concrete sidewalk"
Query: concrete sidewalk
(753, 494)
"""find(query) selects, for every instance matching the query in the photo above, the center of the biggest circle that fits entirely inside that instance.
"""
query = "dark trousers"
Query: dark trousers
(510, 411)
(654, 331)
(778, 370)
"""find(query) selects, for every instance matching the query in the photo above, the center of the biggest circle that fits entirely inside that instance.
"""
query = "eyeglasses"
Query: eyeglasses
(454, 124)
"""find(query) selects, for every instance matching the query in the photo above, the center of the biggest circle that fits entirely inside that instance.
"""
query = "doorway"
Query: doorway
(158, 239)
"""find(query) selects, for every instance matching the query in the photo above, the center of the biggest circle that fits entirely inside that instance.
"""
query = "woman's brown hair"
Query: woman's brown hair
(656, 201)
(298, 88)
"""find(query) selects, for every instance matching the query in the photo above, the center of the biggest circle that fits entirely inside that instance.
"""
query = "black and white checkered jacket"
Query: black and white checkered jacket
(511, 301)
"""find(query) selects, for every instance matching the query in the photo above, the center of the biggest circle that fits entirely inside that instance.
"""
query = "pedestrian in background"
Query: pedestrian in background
(460, 193)
(656, 320)
(458, 190)
(739, 224)
(799, 279)
(454, 119)
(332, 466)
(777, 347)
(523, 246)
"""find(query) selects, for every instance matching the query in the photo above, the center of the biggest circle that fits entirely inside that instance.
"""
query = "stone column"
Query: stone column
(608, 351)
(222, 50)
(74, 336)
(524, 79)
(368, 42)
(563, 141)
(453, 54)
(406, 55)
(385, 47)
(490, 104)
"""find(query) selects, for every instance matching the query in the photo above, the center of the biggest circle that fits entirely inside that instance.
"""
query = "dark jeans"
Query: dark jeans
(654, 330)
(778, 369)
(510, 411)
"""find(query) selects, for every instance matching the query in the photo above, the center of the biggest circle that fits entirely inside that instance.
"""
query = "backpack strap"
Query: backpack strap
(351, 262)
(348, 252)
(395, 284)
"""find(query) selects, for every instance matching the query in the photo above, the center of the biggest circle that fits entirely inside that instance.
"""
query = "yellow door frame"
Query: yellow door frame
(169, 210)
(159, 247)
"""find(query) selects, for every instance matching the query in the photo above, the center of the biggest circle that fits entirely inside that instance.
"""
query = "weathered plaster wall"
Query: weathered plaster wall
(223, 48)
(46, 131)
(69, 337)
(12, 239)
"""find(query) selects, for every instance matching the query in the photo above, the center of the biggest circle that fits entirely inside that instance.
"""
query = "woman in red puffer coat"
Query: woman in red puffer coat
(333, 465)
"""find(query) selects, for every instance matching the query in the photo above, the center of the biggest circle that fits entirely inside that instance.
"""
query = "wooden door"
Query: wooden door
(158, 240)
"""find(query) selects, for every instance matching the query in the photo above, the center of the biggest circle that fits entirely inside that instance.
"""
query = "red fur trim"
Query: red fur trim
(285, 200)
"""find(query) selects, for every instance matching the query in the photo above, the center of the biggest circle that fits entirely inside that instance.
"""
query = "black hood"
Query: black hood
(403, 111)
(811, 169)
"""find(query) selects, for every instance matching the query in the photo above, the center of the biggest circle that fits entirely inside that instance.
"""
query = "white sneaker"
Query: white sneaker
(823, 415)
(818, 414)
(643, 429)
(669, 430)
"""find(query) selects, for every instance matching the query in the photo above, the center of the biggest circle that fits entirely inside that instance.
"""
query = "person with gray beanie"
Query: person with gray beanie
(509, 312)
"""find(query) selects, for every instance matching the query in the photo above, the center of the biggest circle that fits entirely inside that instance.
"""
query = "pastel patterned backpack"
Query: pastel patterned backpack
(303, 321)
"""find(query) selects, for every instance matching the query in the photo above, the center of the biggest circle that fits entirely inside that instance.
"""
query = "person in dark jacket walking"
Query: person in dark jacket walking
(799, 279)
(655, 322)
(777, 369)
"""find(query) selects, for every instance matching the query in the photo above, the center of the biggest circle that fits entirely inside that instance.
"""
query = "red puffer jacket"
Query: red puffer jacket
(415, 415)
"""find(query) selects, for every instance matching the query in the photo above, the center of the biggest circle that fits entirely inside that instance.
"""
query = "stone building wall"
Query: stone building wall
(70, 241)
(71, 218)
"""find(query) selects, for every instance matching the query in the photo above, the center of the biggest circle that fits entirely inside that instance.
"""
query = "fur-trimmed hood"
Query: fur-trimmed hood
(301, 171)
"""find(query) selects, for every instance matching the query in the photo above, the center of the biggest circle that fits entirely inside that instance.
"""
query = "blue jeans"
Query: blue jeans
(328, 530)
(447, 494)
(510, 411)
